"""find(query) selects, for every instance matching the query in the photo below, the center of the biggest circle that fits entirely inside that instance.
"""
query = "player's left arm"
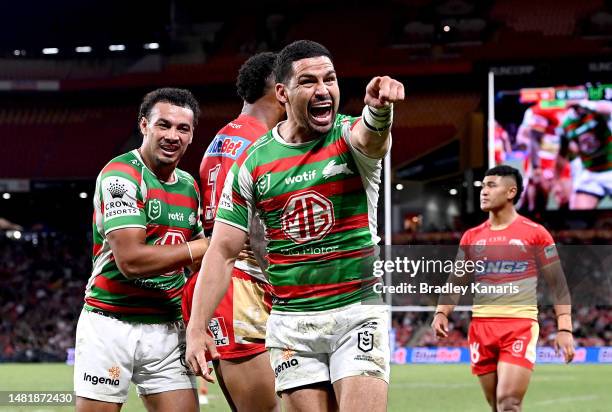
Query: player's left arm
(372, 135)
(552, 271)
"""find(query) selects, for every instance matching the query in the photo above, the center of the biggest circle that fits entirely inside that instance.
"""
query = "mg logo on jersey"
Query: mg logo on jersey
(307, 216)
(171, 237)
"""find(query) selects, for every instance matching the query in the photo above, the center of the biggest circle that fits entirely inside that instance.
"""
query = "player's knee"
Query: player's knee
(508, 403)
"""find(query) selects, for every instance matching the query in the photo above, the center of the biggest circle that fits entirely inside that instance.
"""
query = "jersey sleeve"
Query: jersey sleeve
(463, 253)
(545, 249)
(198, 228)
(364, 163)
(120, 202)
(236, 202)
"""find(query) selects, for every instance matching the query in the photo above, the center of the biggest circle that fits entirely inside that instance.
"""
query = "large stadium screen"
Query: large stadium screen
(558, 135)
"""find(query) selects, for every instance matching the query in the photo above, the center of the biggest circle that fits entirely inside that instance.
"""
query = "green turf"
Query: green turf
(559, 388)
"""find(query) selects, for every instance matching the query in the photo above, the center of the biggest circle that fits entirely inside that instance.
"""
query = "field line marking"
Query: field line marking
(566, 400)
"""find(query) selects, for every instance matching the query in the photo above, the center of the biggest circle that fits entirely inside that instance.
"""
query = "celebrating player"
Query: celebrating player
(238, 324)
(586, 133)
(538, 134)
(314, 180)
(146, 230)
(504, 329)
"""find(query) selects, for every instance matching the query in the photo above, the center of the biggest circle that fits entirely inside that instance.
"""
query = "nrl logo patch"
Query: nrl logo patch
(154, 209)
(365, 341)
(263, 183)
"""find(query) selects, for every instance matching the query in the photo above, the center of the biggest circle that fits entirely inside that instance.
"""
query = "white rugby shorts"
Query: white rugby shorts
(326, 346)
(110, 353)
(595, 183)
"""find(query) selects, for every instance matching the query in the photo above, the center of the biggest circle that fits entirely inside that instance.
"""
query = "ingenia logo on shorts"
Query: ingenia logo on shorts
(288, 361)
(285, 365)
(113, 379)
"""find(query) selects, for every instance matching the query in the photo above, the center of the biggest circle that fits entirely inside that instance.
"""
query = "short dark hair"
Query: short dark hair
(504, 171)
(252, 80)
(174, 96)
(298, 50)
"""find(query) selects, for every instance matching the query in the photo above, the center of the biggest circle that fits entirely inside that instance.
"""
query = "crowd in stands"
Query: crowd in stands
(43, 277)
(592, 327)
(42, 280)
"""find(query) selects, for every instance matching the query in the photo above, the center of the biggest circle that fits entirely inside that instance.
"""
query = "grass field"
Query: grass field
(584, 388)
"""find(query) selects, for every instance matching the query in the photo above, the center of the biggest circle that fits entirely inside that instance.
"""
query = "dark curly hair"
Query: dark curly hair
(505, 170)
(251, 83)
(298, 50)
(174, 96)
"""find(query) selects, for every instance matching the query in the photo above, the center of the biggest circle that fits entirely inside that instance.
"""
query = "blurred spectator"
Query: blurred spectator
(42, 280)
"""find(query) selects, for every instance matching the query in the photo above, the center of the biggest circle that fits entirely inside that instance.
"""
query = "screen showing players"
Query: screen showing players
(559, 137)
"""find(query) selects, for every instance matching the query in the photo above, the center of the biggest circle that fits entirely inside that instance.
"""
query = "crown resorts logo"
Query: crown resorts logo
(116, 189)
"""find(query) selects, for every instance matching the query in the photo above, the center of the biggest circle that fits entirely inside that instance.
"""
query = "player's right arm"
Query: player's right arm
(552, 271)
(121, 217)
(135, 259)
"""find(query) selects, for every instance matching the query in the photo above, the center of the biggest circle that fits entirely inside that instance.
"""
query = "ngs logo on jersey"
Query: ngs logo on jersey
(307, 216)
(227, 146)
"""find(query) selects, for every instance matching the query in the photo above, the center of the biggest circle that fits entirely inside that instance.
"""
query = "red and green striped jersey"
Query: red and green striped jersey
(318, 202)
(592, 134)
(129, 195)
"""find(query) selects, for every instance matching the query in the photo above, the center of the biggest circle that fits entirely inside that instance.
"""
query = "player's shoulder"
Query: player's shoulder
(184, 177)
(257, 151)
(244, 126)
(528, 226)
(476, 230)
(128, 165)
(526, 223)
(344, 122)
(344, 119)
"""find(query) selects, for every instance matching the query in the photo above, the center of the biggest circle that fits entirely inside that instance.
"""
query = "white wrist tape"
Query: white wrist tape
(377, 119)
(189, 249)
